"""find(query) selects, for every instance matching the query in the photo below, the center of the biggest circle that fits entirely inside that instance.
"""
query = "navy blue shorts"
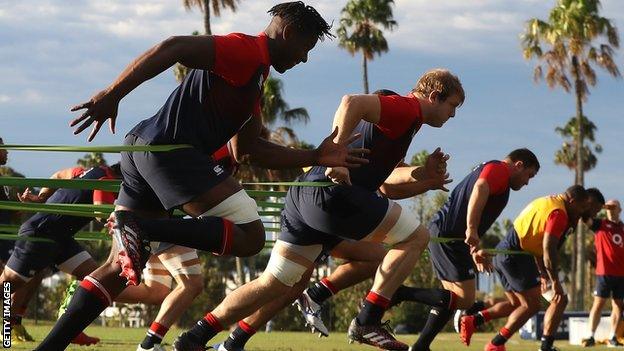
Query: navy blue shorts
(30, 257)
(6, 249)
(326, 215)
(516, 272)
(165, 180)
(451, 261)
(609, 286)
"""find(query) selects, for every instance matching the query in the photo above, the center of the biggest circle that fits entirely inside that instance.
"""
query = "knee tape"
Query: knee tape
(283, 263)
(183, 264)
(156, 272)
(70, 265)
(405, 226)
(238, 209)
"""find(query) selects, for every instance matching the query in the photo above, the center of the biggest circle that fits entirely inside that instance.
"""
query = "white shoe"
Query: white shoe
(157, 347)
(457, 319)
(311, 312)
(221, 347)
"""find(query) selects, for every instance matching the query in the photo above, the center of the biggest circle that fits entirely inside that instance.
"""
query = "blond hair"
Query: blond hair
(440, 80)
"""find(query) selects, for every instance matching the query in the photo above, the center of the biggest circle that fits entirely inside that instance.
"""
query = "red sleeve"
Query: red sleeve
(104, 197)
(237, 57)
(496, 174)
(557, 223)
(398, 113)
(77, 172)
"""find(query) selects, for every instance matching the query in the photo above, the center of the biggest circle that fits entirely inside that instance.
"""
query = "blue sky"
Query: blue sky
(56, 54)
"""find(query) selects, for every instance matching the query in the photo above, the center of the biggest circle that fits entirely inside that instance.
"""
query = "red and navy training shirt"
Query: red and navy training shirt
(451, 219)
(209, 107)
(388, 141)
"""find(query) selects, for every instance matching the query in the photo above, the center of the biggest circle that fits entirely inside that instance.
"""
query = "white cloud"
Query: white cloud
(4, 98)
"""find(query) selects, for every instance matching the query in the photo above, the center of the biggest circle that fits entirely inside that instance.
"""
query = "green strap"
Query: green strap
(94, 184)
(313, 184)
(104, 148)
(76, 183)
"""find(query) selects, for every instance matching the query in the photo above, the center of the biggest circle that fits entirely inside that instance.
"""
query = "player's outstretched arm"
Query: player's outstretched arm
(191, 51)
(248, 147)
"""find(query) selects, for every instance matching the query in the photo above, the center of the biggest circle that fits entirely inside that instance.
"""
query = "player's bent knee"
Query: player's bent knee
(407, 230)
(289, 262)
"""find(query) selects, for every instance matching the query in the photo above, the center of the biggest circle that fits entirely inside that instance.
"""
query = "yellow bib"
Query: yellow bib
(531, 222)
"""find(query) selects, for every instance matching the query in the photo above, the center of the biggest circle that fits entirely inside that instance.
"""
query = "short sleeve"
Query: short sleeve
(496, 174)
(557, 223)
(398, 114)
(77, 172)
(104, 197)
(237, 57)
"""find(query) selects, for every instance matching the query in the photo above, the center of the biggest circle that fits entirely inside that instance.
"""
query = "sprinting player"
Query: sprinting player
(474, 205)
(30, 259)
(217, 101)
(479, 313)
(352, 209)
(539, 231)
(167, 261)
(6, 248)
(609, 242)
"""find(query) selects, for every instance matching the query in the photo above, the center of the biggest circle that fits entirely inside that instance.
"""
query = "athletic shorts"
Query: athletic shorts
(165, 180)
(327, 215)
(30, 257)
(609, 286)
(517, 273)
(6, 249)
(451, 261)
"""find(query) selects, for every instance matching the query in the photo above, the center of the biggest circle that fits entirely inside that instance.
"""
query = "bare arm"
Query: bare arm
(247, 146)
(191, 51)
(353, 109)
(476, 204)
(45, 192)
(551, 259)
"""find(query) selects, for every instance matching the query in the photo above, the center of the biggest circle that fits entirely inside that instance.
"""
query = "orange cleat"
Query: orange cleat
(466, 328)
(492, 347)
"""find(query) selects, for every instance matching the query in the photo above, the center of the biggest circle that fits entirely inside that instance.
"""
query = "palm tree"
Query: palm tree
(92, 159)
(566, 156)
(180, 71)
(205, 7)
(360, 30)
(572, 33)
(273, 109)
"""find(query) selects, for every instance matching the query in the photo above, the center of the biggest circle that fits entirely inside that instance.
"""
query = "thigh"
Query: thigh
(30, 257)
(465, 290)
(289, 262)
(359, 251)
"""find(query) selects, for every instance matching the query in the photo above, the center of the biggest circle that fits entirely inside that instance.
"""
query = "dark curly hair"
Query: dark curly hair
(304, 17)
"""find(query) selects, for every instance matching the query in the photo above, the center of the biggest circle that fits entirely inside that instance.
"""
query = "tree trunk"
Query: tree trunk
(365, 72)
(240, 272)
(207, 17)
(580, 167)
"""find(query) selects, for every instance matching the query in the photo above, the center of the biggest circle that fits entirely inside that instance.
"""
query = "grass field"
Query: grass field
(122, 339)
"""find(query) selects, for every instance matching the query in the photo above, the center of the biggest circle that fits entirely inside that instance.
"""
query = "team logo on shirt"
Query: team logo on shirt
(218, 170)
(617, 240)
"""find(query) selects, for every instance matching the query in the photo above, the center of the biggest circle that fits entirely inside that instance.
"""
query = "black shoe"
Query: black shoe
(589, 342)
(184, 343)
